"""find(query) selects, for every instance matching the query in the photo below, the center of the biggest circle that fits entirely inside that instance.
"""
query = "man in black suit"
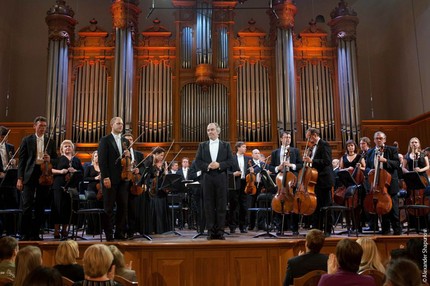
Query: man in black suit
(321, 159)
(184, 171)
(112, 148)
(309, 261)
(35, 150)
(134, 202)
(238, 198)
(286, 157)
(387, 157)
(213, 158)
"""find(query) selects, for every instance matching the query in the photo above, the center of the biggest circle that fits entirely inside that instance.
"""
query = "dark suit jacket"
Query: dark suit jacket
(138, 157)
(236, 167)
(392, 156)
(181, 172)
(322, 163)
(110, 165)
(300, 265)
(295, 158)
(28, 156)
(10, 149)
(224, 158)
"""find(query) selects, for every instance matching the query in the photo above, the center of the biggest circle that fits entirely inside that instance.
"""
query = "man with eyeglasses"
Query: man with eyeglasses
(388, 158)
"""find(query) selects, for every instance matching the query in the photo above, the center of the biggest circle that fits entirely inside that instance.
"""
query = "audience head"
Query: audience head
(118, 257)
(8, 247)
(315, 240)
(414, 251)
(348, 255)
(67, 252)
(402, 272)
(44, 276)
(98, 261)
(371, 258)
(27, 259)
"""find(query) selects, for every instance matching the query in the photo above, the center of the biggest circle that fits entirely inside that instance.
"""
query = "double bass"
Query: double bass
(283, 201)
(305, 200)
(378, 201)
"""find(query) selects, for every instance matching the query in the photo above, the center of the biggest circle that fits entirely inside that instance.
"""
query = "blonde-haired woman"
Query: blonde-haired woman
(371, 260)
(98, 267)
(121, 268)
(27, 259)
(68, 173)
(65, 257)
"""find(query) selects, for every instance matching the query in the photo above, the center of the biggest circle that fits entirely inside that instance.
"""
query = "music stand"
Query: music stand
(9, 182)
(173, 183)
(413, 182)
(269, 189)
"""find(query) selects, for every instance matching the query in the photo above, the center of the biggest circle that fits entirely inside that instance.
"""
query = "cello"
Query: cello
(305, 200)
(378, 201)
(283, 201)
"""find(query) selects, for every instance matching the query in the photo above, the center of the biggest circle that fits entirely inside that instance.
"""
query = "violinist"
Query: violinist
(390, 162)
(155, 208)
(416, 160)
(286, 157)
(134, 201)
(8, 194)
(112, 149)
(258, 162)
(321, 159)
(68, 172)
(35, 150)
(93, 192)
(237, 198)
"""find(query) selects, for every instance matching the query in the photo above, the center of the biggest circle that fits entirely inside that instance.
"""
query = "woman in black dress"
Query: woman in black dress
(67, 175)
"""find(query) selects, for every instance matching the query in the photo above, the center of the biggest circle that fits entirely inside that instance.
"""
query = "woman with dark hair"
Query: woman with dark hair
(342, 268)
(44, 276)
(402, 272)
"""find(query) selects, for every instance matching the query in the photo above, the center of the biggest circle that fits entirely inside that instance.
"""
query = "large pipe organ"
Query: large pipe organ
(168, 85)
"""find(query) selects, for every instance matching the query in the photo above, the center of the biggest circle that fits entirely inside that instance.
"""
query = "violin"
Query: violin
(126, 166)
(283, 201)
(305, 201)
(378, 201)
(251, 178)
(47, 178)
(136, 188)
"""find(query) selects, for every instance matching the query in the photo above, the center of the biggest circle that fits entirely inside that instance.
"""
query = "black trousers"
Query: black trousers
(215, 201)
(116, 195)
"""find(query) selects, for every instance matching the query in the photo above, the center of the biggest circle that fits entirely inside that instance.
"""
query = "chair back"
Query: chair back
(309, 279)
(5, 281)
(67, 281)
(377, 275)
(124, 282)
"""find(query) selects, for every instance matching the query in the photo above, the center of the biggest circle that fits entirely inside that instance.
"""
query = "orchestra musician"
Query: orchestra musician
(238, 198)
(390, 162)
(134, 201)
(9, 198)
(93, 192)
(213, 158)
(289, 157)
(321, 159)
(416, 160)
(112, 149)
(68, 172)
(366, 217)
(257, 164)
(36, 150)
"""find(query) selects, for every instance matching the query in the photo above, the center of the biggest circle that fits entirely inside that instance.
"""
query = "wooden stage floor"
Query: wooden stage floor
(241, 259)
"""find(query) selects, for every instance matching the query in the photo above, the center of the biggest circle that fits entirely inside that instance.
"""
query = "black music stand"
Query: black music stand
(267, 210)
(413, 182)
(352, 189)
(173, 183)
(9, 182)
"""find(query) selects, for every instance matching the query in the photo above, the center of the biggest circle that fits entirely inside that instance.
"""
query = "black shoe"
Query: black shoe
(109, 237)
(368, 228)
(221, 237)
(397, 232)
(296, 233)
(209, 237)
(243, 230)
(384, 232)
(37, 238)
(119, 236)
(232, 230)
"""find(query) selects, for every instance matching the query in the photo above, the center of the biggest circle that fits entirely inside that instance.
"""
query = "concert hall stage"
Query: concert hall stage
(241, 259)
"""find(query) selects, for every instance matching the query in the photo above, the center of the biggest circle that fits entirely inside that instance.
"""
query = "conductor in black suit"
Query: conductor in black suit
(321, 159)
(35, 150)
(309, 261)
(213, 158)
(112, 148)
(289, 157)
(388, 157)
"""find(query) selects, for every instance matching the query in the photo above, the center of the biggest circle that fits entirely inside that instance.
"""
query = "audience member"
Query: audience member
(343, 267)
(121, 268)
(44, 276)
(27, 259)
(309, 261)
(98, 267)
(65, 257)
(8, 251)
(371, 260)
(402, 272)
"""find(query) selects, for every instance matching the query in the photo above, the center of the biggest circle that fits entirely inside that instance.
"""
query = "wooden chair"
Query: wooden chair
(5, 281)
(309, 279)
(124, 282)
(67, 281)
(377, 275)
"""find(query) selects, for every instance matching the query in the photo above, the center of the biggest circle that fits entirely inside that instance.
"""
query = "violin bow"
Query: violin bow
(51, 134)
(147, 156)
(128, 148)
(5, 137)
(9, 163)
(174, 158)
